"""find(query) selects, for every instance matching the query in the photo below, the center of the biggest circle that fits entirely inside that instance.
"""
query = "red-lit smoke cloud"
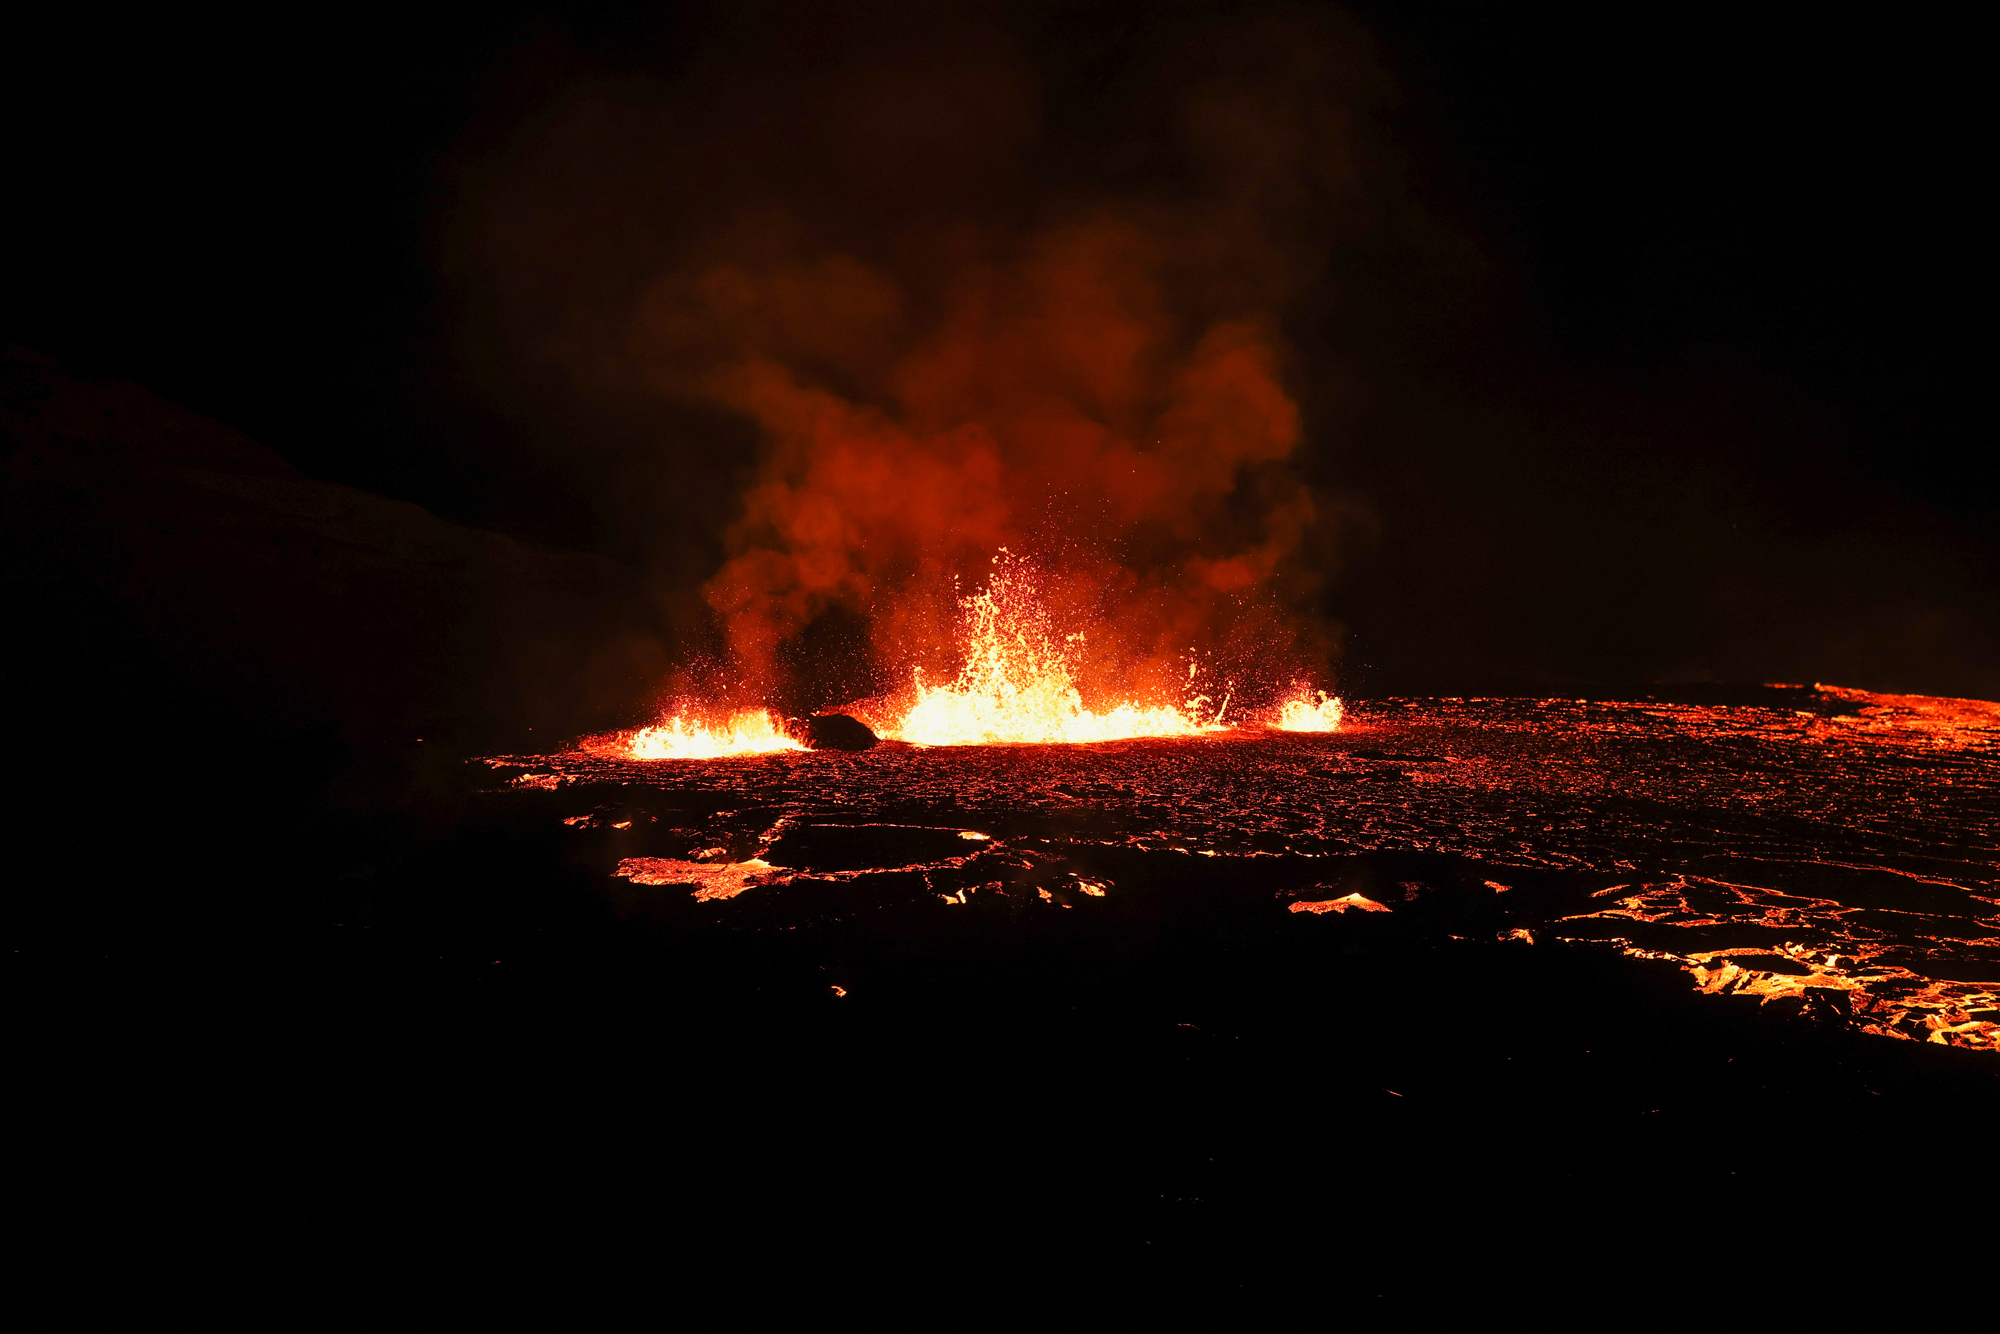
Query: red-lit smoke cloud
(1054, 398)
(948, 341)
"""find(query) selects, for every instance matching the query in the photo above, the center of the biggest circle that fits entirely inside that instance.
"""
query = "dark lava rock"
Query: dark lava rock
(157, 565)
(837, 731)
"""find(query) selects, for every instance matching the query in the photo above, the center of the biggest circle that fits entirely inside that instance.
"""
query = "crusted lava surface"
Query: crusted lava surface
(1567, 999)
(1834, 854)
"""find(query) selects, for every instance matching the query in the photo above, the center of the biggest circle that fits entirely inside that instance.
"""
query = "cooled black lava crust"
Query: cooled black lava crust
(1474, 995)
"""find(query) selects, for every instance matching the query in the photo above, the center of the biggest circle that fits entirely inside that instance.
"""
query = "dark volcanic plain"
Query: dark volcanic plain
(1646, 991)
(1541, 986)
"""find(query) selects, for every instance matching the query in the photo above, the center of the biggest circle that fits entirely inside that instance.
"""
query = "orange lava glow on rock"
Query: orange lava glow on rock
(747, 732)
(724, 880)
(1018, 684)
(1305, 714)
(1341, 904)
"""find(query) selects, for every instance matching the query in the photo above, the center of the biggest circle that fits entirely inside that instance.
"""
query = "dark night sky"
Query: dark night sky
(1662, 364)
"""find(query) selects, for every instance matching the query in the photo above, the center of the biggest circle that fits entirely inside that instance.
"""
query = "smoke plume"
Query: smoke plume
(898, 293)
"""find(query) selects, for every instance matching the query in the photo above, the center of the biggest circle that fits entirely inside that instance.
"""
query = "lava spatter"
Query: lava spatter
(745, 732)
(1303, 713)
(1018, 683)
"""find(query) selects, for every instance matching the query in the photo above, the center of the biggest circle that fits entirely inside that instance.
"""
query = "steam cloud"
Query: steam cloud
(907, 255)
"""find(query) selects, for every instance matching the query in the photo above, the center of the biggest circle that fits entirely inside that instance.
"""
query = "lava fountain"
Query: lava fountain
(1017, 685)
(746, 732)
(1305, 714)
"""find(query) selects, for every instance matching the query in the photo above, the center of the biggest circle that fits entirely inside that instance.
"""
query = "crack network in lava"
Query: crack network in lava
(1838, 860)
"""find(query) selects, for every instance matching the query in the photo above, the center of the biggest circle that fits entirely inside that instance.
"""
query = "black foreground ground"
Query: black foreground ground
(1061, 1016)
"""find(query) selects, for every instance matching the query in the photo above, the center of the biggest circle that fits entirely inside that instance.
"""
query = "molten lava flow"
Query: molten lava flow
(711, 881)
(748, 732)
(1305, 715)
(1017, 685)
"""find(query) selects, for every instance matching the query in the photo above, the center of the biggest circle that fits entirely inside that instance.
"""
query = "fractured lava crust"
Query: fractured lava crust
(1843, 854)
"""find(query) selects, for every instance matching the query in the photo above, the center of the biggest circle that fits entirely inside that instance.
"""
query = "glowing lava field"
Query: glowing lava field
(1194, 1007)
(1832, 854)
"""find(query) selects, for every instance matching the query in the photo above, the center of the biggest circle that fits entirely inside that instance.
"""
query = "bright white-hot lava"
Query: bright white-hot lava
(748, 732)
(1017, 686)
(1304, 714)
